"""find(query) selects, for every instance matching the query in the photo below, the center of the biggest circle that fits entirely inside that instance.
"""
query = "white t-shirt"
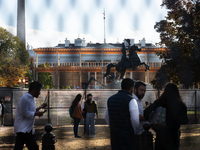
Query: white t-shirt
(141, 112)
(24, 116)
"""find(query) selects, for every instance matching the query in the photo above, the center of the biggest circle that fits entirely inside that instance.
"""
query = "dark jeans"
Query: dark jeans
(76, 124)
(122, 141)
(85, 126)
(25, 138)
(167, 139)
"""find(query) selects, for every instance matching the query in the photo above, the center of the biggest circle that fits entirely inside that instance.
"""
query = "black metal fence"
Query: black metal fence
(59, 102)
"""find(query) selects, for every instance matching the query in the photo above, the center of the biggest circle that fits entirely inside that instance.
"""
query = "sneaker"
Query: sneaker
(87, 136)
(78, 136)
(93, 136)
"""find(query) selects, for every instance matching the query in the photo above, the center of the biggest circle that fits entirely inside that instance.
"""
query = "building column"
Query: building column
(88, 77)
(131, 75)
(72, 79)
(105, 81)
(95, 76)
(80, 65)
(36, 59)
(57, 79)
(57, 73)
(147, 62)
(65, 79)
(36, 76)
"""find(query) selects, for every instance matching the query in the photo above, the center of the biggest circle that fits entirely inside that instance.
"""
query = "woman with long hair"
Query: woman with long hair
(168, 135)
(77, 113)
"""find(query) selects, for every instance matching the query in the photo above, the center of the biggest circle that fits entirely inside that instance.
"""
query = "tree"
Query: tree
(45, 78)
(30, 73)
(180, 34)
(14, 59)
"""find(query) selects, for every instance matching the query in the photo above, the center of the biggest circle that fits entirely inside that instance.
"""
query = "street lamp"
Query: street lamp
(24, 82)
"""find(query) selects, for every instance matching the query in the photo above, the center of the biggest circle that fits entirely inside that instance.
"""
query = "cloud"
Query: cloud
(38, 38)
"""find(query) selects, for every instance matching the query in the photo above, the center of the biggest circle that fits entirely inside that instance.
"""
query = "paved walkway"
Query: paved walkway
(65, 138)
(190, 138)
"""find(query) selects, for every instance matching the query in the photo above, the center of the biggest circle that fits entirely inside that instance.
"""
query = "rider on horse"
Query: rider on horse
(126, 46)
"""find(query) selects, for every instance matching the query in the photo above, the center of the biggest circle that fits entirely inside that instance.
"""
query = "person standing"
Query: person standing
(122, 115)
(91, 109)
(25, 117)
(139, 92)
(77, 114)
(168, 135)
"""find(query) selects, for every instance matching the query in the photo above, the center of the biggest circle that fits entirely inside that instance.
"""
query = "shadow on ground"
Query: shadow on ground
(190, 138)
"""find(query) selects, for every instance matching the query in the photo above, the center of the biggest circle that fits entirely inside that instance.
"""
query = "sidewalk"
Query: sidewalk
(65, 138)
(190, 138)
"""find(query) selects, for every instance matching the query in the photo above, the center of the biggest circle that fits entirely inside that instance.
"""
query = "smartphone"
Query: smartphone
(44, 111)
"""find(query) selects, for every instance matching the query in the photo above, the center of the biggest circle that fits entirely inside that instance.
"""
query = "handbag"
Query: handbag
(158, 116)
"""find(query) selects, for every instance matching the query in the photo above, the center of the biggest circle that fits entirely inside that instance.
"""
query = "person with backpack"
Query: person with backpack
(76, 114)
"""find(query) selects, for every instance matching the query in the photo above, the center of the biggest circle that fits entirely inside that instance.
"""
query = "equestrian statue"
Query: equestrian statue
(127, 63)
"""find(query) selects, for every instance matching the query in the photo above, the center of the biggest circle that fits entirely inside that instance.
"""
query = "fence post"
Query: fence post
(48, 139)
(146, 138)
(195, 113)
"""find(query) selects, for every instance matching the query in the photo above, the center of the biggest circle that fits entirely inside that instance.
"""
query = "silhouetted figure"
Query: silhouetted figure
(122, 116)
(168, 135)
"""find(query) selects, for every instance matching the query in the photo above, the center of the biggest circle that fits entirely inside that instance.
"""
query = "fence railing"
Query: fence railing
(60, 101)
(95, 64)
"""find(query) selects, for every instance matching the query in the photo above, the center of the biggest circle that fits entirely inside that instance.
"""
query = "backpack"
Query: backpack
(70, 112)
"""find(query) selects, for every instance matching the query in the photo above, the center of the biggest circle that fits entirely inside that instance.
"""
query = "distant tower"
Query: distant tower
(104, 17)
(21, 21)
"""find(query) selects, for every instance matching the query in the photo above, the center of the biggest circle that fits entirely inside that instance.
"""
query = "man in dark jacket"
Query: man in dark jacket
(122, 116)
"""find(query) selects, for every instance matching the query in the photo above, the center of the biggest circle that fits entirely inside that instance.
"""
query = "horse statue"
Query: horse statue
(127, 63)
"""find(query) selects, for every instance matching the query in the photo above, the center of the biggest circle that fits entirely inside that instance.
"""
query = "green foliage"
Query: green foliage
(65, 87)
(14, 59)
(180, 33)
(45, 78)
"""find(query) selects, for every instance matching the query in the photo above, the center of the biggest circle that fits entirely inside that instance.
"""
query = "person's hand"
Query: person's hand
(141, 118)
(38, 113)
(97, 116)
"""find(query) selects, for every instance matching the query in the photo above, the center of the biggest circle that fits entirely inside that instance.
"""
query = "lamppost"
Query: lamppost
(24, 83)
(19, 82)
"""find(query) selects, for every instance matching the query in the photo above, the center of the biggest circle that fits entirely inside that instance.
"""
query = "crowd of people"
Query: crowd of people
(124, 114)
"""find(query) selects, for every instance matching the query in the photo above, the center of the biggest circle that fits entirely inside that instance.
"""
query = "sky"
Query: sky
(49, 22)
